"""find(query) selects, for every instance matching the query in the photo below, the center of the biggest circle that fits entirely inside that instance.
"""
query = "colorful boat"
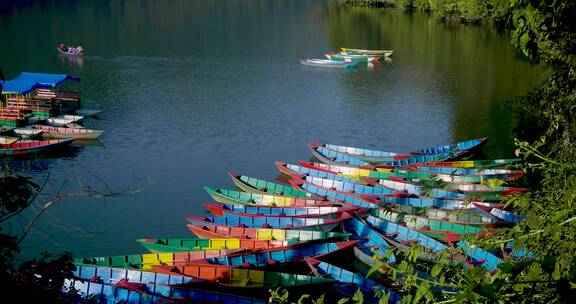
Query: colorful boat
(347, 171)
(70, 50)
(234, 197)
(209, 232)
(126, 292)
(386, 53)
(254, 185)
(327, 63)
(111, 275)
(499, 214)
(373, 243)
(371, 156)
(332, 157)
(333, 194)
(476, 190)
(403, 237)
(147, 260)
(469, 216)
(258, 211)
(471, 163)
(467, 145)
(480, 257)
(280, 255)
(415, 175)
(412, 189)
(296, 171)
(304, 223)
(33, 146)
(352, 57)
(468, 171)
(197, 244)
(228, 276)
(427, 202)
(367, 286)
(441, 230)
(63, 132)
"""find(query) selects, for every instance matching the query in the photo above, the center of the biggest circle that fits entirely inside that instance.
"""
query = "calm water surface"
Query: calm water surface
(192, 89)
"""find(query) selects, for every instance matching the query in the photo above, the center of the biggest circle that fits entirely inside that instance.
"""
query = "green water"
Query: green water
(192, 89)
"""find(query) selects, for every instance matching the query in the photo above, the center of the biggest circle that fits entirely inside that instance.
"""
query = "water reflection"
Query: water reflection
(71, 61)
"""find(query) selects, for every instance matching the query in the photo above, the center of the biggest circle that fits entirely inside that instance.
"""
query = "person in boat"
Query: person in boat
(79, 50)
(63, 48)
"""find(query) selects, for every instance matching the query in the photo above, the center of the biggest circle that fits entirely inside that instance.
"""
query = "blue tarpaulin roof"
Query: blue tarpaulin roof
(51, 80)
(27, 82)
(18, 86)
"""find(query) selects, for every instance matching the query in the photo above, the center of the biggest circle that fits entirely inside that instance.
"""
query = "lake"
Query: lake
(193, 89)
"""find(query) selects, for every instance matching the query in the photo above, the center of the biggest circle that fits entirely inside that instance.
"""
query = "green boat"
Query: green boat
(196, 244)
(254, 185)
(234, 197)
(448, 178)
(438, 229)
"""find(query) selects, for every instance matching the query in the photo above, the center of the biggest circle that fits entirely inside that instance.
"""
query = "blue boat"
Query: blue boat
(395, 186)
(229, 210)
(480, 257)
(335, 195)
(468, 146)
(332, 157)
(267, 222)
(468, 171)
(301, 172)
(367, 286)
(277, 256)
(373, 243)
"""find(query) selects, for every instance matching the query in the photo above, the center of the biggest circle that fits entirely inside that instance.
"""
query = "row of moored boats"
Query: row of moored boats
(40, 114)
(348, 58)
(350, 205)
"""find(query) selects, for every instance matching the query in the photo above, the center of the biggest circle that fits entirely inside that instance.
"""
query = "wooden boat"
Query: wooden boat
(373, 243)
(64, 132)
(228, 276)
(468, 216)
(352, 172)
(197, 244)
(413, 189)
(6, 140)
(318, 189)
(468, 146)
(476, 190)
(122, 285)
(367, 286)
(468, 171)
(255, 199)
(445, 231)
(302, 223)
(480, 257)
(327, 63)
(371, 156)
(257, 211)
(26, 133)
(111, 275)
(63, 120)
(147, 260)
(275, 256)
(487, 163)
(296, 171)
(346, 188)
(85, 291)
(426, 202)
(352, 58)
(33, 146)
(386, 53)
(414, 175)
(209, 232)
(332, 157)
(71, 51)
(499, 214)
(403, 237)
(254, 185)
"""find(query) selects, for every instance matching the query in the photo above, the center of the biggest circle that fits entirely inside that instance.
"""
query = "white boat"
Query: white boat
(63, 120)
(63, 132)
(26, 132)
(327, 63)
(5, 140)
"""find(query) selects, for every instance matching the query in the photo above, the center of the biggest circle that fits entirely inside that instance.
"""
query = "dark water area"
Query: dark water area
(192, 89)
